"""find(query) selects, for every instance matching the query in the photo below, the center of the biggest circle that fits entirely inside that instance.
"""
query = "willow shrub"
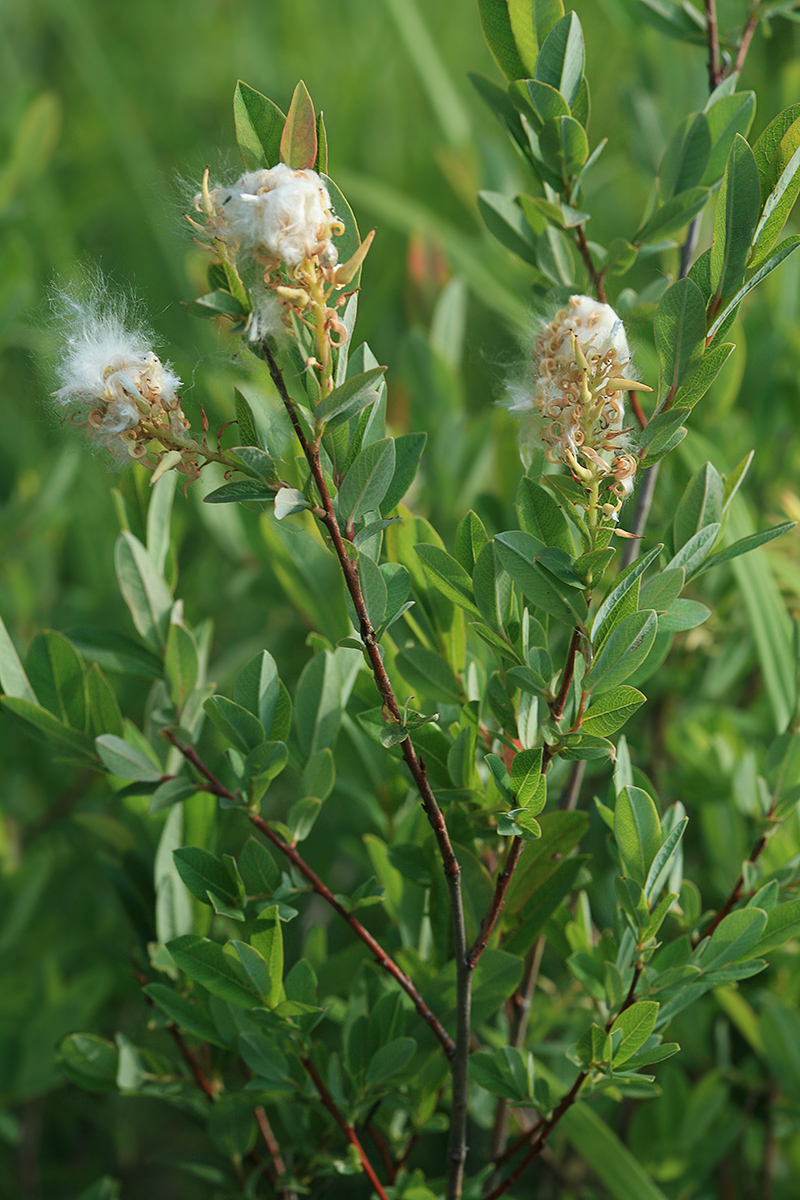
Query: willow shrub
(423, 922)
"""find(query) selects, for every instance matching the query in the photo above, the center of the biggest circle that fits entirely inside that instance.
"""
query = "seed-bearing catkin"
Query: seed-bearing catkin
(116, 386)
(573, 402)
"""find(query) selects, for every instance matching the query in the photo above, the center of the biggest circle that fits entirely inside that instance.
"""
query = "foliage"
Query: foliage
(374, 895)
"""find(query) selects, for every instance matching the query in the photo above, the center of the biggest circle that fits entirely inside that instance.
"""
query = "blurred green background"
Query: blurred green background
(110, 114)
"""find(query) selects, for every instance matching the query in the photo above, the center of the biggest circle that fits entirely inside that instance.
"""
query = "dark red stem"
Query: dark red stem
(346, 1129)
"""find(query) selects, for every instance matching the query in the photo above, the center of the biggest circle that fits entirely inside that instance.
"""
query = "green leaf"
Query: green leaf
(499, 35)
(187, 1015)
(507, 222)
(103, 704)
(662, 434)
(257, 869)
(554, 257)
(181, 663)
(662, 590)
(564, 146)
(662, 863)
(241, 728)
(253, 462)
(448, 576)
(783, 180)
(204, 873)
(171, 791)
(259, 124)
(217, 304)
(206, 963)
(735, 219)
(13, 680)
(767, 146)
(56, 674)
(257, 688)
(625, 649)
(611, 712)
(684, 614)
(636, 1024)
(626, 581)
(680, 332)
(732, 940)
(471, 537)
(672, 216)
(726, 117)
(298, 148)
(244, 419)
(143, 589)
(601, 1149)
(561, 58)
(368, 479)
(686, 157)
(526, 781)
(408, 452)
(354, 395)
(701, 379)
(66, 739)
(318, 709)
(127, 761)
(695, 551)
(239, 491)
(517, 552)
(787, 247)
(637, 831)
(267, 940)
(90, 1061)
(699, 506)
(390, 1059)
(507, 1072)
(539, 102)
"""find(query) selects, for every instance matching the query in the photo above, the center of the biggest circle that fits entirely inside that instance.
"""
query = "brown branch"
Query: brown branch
(715, 73)
(457, 1146)
(200, 1078)
(383, 1150)
(346, 1129)
(498, 902)
(747, 37)
(586, 255)
(271, 1142)
(735, 895)
(380, 955)
(636, 409)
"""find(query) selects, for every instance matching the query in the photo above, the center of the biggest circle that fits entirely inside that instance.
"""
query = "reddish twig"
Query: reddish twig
(636, 409)
(735, 895)
(271, 1142)
(346, 1129)
(747, 37)
(586, 255)
(543, 1128)
(380, 955)
(383, 1150)
(200, 1078)
(457, 1145)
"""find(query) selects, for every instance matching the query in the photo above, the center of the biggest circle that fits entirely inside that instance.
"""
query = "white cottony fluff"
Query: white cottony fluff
(283, 211)
(102, 361)
(597, 329)
(109, 368)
